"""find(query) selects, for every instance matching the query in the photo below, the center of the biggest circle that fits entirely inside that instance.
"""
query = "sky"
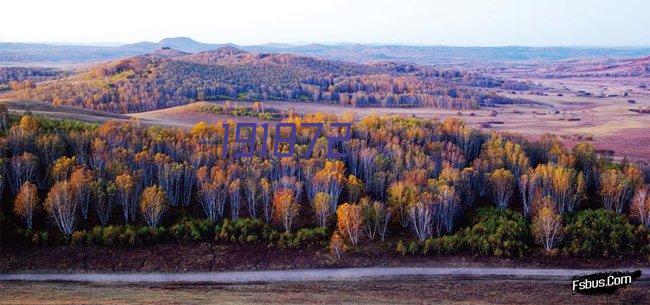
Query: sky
(414, 22)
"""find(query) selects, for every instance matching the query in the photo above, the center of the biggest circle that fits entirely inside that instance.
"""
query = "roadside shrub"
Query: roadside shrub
(448, 244)
(496, 232)
(244, 230)
(39, 238)
(400, 248)
(412, 247)
(126, 235)
(308, 238)
(492, 231)
(189, 229)
(251, 230)
(599, 233)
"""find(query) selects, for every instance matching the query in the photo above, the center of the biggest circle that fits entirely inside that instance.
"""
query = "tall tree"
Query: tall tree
(501, 182)
(26, 202)
(153, 205)
(62, 207)
(285, 208)
(125, 191)
(350, 221)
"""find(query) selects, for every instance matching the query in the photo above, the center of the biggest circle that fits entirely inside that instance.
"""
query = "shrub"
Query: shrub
(310, 238)
(497, 232)
(189, 229)
(599, 233)
(40, 238)
(448, 244)
(401, 249)
(126, 235)
(412, 247)
(244, 230)
(31, 236)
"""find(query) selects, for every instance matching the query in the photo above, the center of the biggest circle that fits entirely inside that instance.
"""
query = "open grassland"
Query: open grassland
(403, 291)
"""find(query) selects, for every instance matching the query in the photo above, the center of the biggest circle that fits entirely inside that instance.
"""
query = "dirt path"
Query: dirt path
(302, 275)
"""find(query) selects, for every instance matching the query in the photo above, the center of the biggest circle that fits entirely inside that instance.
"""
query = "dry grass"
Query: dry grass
(405, 291)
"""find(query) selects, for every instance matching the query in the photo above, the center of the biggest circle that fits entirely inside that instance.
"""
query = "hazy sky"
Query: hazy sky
(453, 22)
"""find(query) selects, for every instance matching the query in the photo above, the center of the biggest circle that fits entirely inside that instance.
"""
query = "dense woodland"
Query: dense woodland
(170, 78)
(441, 186)
(17, 78)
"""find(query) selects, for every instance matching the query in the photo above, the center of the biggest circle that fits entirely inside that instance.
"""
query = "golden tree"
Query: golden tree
(62, 168)
(330, 179)
(350, 221)
(400, 196)
(153, 205)
(285, 208)
(80, 181)
(125, 187)
(616, 189)
(26, 202)
(547, 224)
(337, 245)
(501, 181)
(321, 206)
(355, 188)
(376, 217)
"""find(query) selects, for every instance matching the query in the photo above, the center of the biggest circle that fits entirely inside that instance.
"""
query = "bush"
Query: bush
(412, 247)
(448, 244)
(401, 249)
(244, 230)
(126, 235)
(250, 230)
(189, 229)
(599, 233)
(497, 232)
(308, 238)
(493, 231)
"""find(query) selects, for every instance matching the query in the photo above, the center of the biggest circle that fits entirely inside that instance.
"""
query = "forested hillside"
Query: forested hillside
(16, 78)
(169, 78)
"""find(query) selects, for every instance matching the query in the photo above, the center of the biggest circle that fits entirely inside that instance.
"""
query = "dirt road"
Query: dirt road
(302, 275)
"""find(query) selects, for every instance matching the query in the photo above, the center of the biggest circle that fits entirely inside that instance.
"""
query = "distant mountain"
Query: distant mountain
(16, 53)
(184, 44)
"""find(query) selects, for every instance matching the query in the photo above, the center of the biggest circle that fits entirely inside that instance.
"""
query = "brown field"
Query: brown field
(426, 290)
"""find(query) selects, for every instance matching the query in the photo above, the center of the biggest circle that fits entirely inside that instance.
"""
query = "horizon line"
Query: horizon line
(324, 43)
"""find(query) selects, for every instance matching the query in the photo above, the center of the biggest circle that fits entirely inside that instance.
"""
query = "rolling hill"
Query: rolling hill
(168, 78)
